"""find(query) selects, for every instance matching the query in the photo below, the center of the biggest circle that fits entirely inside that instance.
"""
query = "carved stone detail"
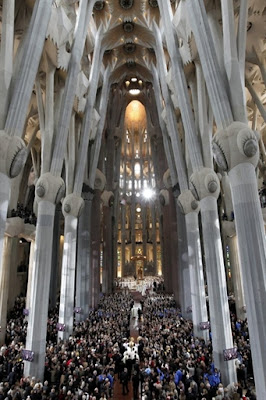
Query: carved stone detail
(50, 188)
(99, 5)
(13, 155)
(164, 197)
(126, 4)
(203, 183)
(107, 198)
(100, 180)
(128, 26)
(187, 202)
(72, 205)
(235, 145)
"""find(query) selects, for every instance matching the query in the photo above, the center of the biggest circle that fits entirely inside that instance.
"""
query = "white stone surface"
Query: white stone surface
(252, 252)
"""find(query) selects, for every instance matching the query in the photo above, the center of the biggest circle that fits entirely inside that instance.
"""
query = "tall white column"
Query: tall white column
(6, 56)
(213, 77)
(38, 309)
(84, 255)
(252, 252)
(218, 301)
(32, 51)
(206, 187)
(237, 277)
(95, 251)
(107, 248)
(189, 206)
(84, 14)
(49, 191)
(72, 206)
(236, 149)
(183, 266)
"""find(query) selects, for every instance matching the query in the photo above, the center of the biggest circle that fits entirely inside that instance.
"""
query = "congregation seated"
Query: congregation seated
(165, 362)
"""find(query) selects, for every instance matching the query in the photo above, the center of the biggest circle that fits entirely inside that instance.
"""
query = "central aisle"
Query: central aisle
(134, 333)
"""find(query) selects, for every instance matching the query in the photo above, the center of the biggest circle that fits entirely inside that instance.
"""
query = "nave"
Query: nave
(132, 145)
(146, 335)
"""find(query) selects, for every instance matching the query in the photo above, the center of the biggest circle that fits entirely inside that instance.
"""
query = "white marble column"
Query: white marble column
(31, 55)
(84, 14)
(39, 299)
(6, 56)
(206, 188)
(252, 251)
(71, 208)
(189, 206)
(84, 256)
(197, 284)
(183, 266)
(107, 249)
(49, 190)
(95, 251)
(237, 277)
(213, 77)
(236, 149)
(218, 301)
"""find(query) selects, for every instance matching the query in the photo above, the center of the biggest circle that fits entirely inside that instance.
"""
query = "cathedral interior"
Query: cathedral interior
(132, 151)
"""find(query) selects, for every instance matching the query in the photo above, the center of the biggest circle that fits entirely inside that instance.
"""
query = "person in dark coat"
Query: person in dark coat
(124, 380)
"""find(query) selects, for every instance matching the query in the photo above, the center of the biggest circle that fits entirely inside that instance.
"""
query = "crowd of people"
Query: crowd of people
(164, 361)
(24, 213)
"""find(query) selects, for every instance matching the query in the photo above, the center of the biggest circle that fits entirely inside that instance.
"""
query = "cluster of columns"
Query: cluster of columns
(236, 151)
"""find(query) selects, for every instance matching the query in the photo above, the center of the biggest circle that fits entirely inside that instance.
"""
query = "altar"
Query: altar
(143, 285)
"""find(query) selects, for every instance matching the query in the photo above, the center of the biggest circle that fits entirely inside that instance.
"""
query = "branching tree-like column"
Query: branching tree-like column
(31, 55)
(229, 231)
(235, 149)
(49, 191)
(189, 207)
(84, 255)
(6, 56)
(199, 314)
(206, 186)
(75, 201)
(72, 208)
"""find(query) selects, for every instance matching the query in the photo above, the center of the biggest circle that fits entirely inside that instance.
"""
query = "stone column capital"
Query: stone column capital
(13, 154)
(187, 202)
(164, 197)
(167, 179)
(234, 145)
(72, 205)
(204, 183)
(49, 188)
(107, 198)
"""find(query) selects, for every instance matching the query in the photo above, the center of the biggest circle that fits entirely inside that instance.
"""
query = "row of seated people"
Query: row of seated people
(166, 362)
